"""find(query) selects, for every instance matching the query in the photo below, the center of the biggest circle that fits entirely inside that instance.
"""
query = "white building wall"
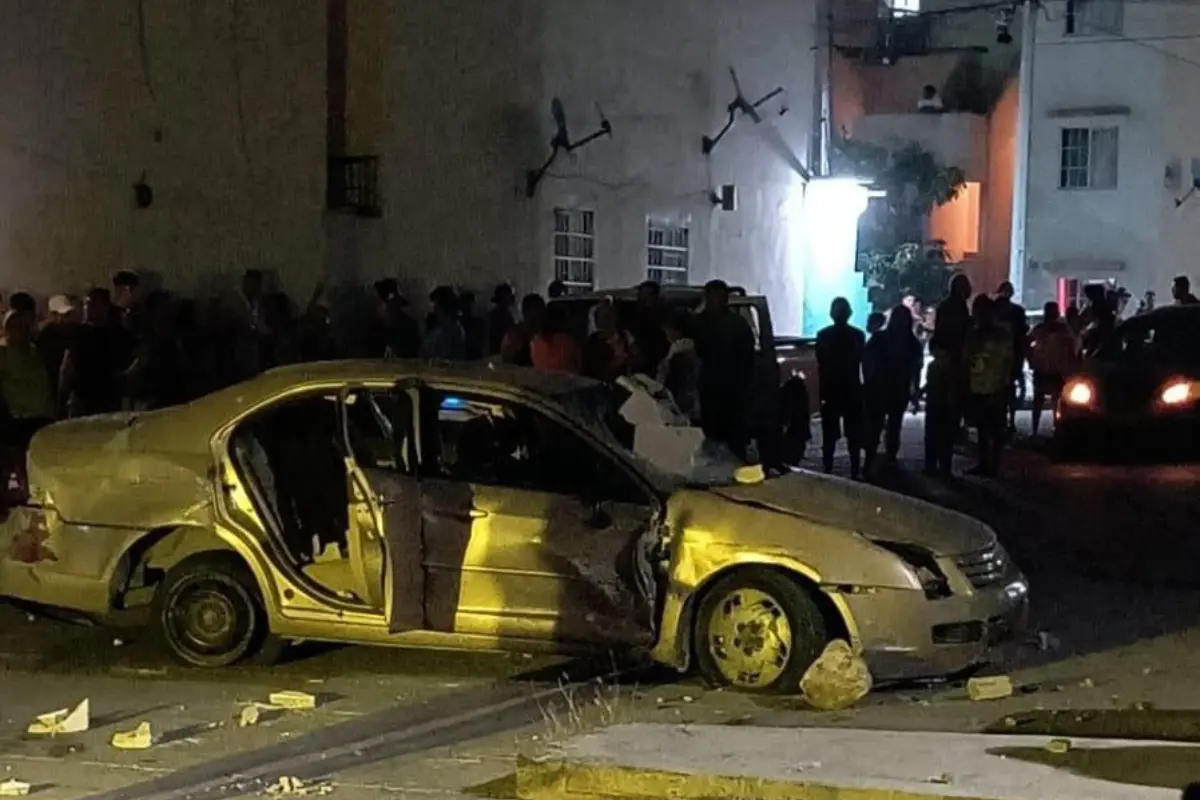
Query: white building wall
(224, 115)
(469, 114)
(1080, 233)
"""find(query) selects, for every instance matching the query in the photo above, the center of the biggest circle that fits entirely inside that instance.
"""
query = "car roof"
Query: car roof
(199, 419)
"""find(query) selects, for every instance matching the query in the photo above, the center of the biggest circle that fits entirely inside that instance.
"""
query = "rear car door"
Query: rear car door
(531, 530)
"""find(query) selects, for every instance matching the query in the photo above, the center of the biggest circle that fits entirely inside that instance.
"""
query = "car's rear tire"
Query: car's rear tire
(209, 612)
(758, 630)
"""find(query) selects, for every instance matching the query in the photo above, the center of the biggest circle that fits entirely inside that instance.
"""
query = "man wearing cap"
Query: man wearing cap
(65, 313)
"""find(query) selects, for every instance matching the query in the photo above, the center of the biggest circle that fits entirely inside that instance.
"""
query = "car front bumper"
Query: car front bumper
(905, 636)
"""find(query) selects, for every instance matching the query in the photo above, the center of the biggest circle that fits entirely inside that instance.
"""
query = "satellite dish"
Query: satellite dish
(740, 105)
(562, 142)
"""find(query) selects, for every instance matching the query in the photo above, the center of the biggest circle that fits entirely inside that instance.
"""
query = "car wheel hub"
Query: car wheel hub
(750, 638)
(207, 620)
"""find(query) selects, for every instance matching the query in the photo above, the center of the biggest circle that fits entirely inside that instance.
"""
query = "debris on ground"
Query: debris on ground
(1087, 683)
(294, 787)
(1059, 746)
(1047, 641)
(63, 720)
(945, 779)
(140, 738)
(996, 687)
(293, 700)
(14, 788)
(248, 716)
(838, 679)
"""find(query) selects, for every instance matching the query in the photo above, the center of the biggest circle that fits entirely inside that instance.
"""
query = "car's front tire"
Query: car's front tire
(758, 630)
(209, 612)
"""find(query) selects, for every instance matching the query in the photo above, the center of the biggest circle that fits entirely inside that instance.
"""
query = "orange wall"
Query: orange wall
(996, 242)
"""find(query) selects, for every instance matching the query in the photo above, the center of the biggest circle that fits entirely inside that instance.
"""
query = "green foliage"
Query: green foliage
(892, 251)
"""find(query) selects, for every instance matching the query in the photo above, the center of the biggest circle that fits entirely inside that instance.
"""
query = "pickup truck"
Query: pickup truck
(784, 365)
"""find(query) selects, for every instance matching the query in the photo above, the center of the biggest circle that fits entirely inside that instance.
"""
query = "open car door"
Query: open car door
(398, 494)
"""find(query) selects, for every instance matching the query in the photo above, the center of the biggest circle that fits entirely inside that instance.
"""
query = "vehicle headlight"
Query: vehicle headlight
(1079, 393)
(1179, 392)
(923, 564)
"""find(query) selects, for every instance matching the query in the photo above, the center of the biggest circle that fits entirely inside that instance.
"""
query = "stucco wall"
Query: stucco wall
(1136, 223)
(468, 115)
(996, 233)
(237, 183)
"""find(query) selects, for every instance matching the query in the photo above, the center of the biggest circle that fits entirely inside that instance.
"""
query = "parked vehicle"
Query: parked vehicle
(1142, 386)
(478, 506)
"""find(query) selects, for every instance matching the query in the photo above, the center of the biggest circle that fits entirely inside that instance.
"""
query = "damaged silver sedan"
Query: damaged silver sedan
(390, 503)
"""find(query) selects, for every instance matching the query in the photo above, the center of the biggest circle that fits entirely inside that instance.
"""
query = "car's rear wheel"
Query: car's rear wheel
(209, 612)
(758, 631)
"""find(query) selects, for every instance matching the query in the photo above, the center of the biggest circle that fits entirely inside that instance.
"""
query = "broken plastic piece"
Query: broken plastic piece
(140, 738)
(996, 687)
(73, 720)
(1059, 746)
(14, 788)
(293, 700)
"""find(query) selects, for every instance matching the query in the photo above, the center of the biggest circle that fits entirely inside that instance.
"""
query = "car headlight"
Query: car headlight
(924, 566)
(1179, 392)
(1079, 392)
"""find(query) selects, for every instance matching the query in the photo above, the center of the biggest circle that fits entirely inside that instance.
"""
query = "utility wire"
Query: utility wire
(1145, 42)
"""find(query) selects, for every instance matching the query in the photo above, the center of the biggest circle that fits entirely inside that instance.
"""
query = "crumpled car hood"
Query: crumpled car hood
(101, 471)
(878, 514)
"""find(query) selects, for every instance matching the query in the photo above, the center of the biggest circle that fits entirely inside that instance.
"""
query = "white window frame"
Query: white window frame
(668, 251)
(574, 249)
(1094, 18)
(905, 6)
(1089, 158)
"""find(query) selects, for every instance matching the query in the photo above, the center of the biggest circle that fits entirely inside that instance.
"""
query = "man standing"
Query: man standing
(947, 376)
(1053, 354)
(1181, 290)
(1012, 316)
(839, 365)
(989, 361)
(725, 344)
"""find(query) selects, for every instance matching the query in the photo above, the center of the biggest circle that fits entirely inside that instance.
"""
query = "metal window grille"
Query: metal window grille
(1095, 17)
(667, 253)
(353, 185)
(1089, 158)
(575, 249)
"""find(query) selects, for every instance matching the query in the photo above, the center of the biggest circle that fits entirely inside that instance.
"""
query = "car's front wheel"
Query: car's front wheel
(209, 612)
(758, 630)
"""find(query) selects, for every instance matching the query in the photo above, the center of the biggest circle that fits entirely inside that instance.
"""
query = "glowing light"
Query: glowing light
(1079, 393)
(1178, 393)
(829, 228)
(449, 403)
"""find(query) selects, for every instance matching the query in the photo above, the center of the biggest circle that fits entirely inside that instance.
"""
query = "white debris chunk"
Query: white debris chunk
(64, 720)
(293, 700)
(996, 687)
(248, 716)
(140, 738)
(14, 788)
(838, 679)
(294, 787)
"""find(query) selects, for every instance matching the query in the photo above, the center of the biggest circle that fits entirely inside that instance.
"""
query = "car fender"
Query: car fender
(674, 645)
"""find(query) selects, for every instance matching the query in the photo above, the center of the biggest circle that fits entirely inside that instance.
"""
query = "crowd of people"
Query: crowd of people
(121, 349)
(979, 345)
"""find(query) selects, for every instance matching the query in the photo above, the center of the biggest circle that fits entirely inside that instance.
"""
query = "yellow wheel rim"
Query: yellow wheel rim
(749, 638)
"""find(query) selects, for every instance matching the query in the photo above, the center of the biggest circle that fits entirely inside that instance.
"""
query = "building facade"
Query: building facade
(1115, 106)
(210, 105)
(457, 122)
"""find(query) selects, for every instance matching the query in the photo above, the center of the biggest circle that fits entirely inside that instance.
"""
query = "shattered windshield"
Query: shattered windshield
(672, 455)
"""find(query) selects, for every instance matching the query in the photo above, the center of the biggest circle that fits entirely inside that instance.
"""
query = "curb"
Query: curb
(563, 780)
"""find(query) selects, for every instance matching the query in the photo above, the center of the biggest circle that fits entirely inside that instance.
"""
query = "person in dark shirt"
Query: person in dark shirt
(839, 366)
(1181, 290)
(473, 326)
(1012, 316)
(946, 382)
(725, 344)
(97, 357)
(124, 295)
(556, 289)
(393, 333)
(647, 328)
(56, 333)
(892, 372)
(500, 318)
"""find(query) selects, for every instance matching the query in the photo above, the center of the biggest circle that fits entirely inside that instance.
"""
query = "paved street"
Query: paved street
(1111, 551)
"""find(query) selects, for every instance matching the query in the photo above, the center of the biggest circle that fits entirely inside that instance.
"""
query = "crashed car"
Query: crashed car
(394, 503)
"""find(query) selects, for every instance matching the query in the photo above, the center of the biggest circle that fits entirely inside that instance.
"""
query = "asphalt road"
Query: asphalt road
(1111, 551)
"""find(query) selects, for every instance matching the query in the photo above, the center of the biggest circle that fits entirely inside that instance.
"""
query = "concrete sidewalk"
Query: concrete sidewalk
(708, 761)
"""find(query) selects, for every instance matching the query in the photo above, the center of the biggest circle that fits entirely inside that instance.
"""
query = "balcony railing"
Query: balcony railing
(353, 185)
